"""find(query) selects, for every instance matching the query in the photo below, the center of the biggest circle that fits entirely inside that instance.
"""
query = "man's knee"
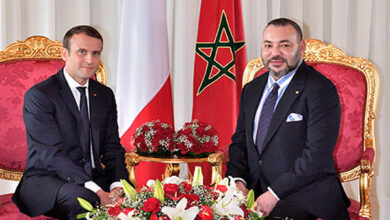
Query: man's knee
(67, 203)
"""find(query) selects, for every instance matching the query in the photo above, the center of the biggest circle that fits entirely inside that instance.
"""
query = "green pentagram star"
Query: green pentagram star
(211, 59)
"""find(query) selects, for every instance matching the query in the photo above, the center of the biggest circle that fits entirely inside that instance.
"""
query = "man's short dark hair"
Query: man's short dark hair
(284, 22)
(85, 29)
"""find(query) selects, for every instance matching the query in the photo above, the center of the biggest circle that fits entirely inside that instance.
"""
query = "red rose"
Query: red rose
(126, 211)
(187, 131)
(197, 148)
(246, 212)
(153, 217)
(200, 132)
(187, 187)
(151, 205)
(114, 211)
(164, 217)
(205, 213)
(192, 199)
(222, 188)
(171, 188)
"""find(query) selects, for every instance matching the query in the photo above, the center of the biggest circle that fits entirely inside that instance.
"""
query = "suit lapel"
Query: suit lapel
(293, 91)
(67, 95)
(70, 102)
(253, 104)
(94, 107)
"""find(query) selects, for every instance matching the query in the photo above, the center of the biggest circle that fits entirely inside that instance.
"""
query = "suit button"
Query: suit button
(82, 161)
(260, 162)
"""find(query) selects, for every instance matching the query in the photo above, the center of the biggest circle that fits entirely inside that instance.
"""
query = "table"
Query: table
(173, 164)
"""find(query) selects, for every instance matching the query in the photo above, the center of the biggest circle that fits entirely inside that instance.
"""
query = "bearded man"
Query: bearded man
(286, 132)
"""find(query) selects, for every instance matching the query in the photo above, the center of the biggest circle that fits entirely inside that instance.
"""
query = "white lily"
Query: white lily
(228, 205)
(232, 189)
(151, 183)
(179, 212)
(172, 180)
(129, 216)
(198, 176)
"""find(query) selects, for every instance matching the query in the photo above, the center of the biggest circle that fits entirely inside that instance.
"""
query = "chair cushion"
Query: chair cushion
(352, 93)
(8, 210)
(15, 78)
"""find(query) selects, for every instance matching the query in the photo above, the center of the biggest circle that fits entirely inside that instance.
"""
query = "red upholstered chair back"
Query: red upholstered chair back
(357, 84)
(23, 64)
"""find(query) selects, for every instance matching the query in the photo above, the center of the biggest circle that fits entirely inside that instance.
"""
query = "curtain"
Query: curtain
(360, 28)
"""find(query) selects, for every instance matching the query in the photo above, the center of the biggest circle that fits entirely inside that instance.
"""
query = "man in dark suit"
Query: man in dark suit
(71, 131)
(286, 133)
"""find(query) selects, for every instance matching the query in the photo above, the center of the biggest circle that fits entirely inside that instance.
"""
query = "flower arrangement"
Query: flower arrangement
(177, 199)
(196, 138)
(158, 138)
(154, 138)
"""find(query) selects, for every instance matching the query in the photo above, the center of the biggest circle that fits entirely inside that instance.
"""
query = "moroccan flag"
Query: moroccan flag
(143, 87)
(219, 64)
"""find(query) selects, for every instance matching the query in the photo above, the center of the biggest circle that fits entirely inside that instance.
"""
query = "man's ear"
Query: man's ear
(65, 54)
(302, 48)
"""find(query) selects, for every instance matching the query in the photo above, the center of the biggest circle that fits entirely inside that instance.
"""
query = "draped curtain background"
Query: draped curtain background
(361, 28)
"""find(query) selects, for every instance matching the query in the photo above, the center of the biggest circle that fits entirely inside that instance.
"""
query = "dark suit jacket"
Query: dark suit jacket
(55, 155)
(296, 161)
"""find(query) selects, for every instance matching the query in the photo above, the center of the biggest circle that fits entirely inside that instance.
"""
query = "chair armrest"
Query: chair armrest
(366, 167)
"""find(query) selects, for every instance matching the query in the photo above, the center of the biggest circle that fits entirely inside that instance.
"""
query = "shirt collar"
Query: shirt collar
(73, 84)
(283, 81)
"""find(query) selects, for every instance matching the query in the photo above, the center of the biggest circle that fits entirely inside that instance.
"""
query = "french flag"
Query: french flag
(143, 91)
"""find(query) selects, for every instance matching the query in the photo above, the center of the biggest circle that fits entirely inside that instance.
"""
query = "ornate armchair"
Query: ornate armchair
(22, 64)
(357, 83)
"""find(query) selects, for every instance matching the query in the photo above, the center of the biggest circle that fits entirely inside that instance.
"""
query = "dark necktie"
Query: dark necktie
(266, 116)
(85, 129)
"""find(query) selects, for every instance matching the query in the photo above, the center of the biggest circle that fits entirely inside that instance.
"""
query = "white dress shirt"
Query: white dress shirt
(76, 94)
(283, 83)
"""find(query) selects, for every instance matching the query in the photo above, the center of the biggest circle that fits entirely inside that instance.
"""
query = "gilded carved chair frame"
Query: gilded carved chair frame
(318, 52)
(37, 48)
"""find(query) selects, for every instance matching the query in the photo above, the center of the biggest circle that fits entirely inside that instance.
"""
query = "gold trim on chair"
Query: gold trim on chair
(173, 164)
(36, 48)
(318, 52)
(10, 175)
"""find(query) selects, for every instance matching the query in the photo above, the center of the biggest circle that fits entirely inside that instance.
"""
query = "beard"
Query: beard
(295, 62)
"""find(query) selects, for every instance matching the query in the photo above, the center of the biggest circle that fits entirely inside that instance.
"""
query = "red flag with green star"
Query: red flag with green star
(220, 61)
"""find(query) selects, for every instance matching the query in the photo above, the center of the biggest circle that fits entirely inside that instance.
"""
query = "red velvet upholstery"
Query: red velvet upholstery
(352, 93)
(8, 210)
(15, 79)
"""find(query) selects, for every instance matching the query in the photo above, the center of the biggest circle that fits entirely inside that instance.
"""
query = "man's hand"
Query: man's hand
(241, 186)
(266, 202)
(104, 197)
(115, 194)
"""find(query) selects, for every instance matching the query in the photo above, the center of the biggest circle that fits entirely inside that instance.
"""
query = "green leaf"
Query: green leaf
(85, 204)
(250, 199)
(253, 215)
(129, 190)
(82, 215)
(158, 191)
